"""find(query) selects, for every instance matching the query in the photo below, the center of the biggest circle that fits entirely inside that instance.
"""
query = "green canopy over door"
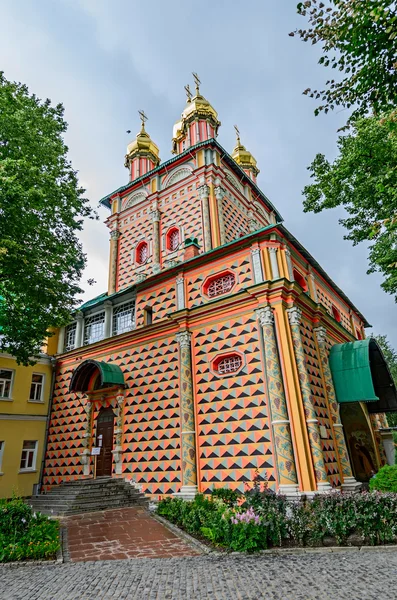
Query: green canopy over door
(360, 374)
(109, 375)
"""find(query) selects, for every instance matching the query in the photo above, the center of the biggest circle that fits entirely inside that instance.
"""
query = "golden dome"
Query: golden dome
(197, 108)
(143, 145)
(243, 157)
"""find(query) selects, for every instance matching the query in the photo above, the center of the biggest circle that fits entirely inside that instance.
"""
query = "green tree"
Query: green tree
(359, 39)
(363, 179)
(42, 208)
(391, 358)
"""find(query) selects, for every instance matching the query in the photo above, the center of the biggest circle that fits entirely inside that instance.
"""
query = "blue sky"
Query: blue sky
(105, 59)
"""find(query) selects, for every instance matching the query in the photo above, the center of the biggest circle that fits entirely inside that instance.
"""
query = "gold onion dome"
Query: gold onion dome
(243, 157)
(197, 108)
(143, 145)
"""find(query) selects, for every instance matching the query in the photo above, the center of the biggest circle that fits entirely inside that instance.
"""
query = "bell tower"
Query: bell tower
(199, 121)
(244, 158)
(142, 154)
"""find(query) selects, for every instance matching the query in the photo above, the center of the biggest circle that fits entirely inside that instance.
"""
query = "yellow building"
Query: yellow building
(24, 398)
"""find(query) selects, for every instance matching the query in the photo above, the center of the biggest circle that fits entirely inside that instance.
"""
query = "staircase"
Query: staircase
(88, 495)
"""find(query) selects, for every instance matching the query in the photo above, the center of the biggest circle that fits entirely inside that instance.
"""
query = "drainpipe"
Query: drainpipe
(47, 426)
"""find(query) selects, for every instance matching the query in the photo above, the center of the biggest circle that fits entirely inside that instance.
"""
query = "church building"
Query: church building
(221, 348)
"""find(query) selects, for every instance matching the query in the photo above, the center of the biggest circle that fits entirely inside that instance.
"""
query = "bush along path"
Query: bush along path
(26, 535)
(260, 519)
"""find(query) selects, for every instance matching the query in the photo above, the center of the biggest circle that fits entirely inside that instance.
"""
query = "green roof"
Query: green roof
(225, 155)
(351, 372)
(361, 374)
(109, 373)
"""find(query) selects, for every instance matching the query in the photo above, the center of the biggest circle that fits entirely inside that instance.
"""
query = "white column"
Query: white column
(257, 265)
(180, 292)
(219, 194)
(108, 319)
(273, 262)
(289, 264)
(204, 192)
(79, 329)
(61, 340)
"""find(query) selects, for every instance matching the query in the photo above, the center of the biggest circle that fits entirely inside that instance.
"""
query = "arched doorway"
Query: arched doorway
(359, 441)
(104, 439)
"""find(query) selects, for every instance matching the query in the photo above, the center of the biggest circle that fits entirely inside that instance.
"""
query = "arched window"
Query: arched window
(173, 239)
(300, 279)
(228, 364)
(142, 253)
(336, 313)
(220, 285)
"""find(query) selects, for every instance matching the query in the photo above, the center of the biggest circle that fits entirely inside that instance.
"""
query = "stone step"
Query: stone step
(88, 495)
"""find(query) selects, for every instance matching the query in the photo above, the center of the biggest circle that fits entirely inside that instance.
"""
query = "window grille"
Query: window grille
(36, 387)
(70, 337)
(5, 383)
(28, 456)
(221, 285)
(124, 317)
(173, 240)
(143, 253)
(94, 328)
(230, 364)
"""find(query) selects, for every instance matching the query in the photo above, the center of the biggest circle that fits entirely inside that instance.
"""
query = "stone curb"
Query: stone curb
(186, 536)
(37, 563)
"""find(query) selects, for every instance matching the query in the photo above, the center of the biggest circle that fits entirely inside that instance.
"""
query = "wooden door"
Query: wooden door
(105, 426)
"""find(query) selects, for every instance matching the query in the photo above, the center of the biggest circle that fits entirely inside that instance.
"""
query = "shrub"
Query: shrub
(229, 497)
(385, 480)
(24, 534)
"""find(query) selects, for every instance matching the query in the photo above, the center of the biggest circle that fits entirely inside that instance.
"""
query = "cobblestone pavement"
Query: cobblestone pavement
(358, 575)
(119, 534)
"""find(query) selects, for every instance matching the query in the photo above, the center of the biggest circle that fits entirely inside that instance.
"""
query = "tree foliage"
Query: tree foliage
(42, 208)
(363, 179)
(359, 39)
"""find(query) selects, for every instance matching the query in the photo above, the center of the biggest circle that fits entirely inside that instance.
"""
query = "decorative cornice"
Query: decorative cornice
(114, 235)
(219, 192)
(203, 191)
(183, 338)
(294, 315)
(321, 334)
(265, 316)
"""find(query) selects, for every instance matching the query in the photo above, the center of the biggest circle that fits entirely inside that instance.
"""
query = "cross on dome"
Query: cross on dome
(197, 83)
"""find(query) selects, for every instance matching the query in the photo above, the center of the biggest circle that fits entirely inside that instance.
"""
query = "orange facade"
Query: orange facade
(217, 323)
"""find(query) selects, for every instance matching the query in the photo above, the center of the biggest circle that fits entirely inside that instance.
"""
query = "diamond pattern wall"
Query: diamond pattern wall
(232, 419)
(320, 402)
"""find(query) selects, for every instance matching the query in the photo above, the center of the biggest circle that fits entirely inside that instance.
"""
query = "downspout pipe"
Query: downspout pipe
(50, 400)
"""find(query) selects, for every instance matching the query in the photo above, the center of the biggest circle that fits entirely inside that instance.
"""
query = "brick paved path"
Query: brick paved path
(358, 575)
(119, 534)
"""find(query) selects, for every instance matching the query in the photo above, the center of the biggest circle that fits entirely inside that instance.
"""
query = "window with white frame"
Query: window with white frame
(70, 337)
(6, 376)
(28, 456)
(221, 285)
(124, 317)
(37, 387)
(1, 453)
(94, 328)
(229, 364)
(173, 239)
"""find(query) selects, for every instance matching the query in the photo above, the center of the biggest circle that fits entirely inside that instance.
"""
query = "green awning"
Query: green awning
(109, 375)
(360, 374)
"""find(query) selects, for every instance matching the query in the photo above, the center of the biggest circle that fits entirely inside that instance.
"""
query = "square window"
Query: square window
(5, 383)
(70, 337)
(37, 387)
(124, 317)
(28, 456)
(94, 328)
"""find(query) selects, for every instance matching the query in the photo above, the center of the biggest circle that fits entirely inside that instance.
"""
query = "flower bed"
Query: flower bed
(26, 535)
(260, 519)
